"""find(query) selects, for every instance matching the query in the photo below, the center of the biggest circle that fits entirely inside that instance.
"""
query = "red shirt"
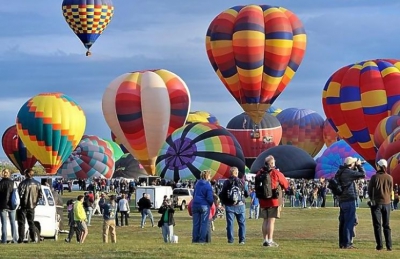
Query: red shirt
(276, 178)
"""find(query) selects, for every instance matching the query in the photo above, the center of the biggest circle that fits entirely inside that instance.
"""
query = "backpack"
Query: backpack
(335, 185)
(234, 192)
(15, 200)
(263, 186)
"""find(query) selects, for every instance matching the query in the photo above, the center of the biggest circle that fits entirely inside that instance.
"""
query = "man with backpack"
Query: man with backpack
(6, 207)
(269, 183)
(343, 186)
(233, 196)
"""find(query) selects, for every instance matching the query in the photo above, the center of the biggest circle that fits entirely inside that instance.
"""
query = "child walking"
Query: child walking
(167, 221)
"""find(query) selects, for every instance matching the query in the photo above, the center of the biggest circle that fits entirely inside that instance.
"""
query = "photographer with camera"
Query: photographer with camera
(269, 183)
(380, 188)
(347, 174)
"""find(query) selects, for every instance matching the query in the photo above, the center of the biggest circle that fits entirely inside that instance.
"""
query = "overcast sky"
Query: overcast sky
(40, 53)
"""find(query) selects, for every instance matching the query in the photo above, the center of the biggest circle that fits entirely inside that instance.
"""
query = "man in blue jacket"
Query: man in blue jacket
(347, 174)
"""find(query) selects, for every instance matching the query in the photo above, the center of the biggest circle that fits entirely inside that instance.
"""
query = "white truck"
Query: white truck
(157, 194)
(46, 220)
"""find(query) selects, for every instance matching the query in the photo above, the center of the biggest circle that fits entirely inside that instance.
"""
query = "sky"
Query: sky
(40, 53)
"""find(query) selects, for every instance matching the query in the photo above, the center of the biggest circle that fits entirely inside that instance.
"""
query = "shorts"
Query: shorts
(81, 226)
(271, 212)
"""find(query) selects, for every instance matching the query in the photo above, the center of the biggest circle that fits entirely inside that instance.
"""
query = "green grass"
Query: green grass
(301, 233)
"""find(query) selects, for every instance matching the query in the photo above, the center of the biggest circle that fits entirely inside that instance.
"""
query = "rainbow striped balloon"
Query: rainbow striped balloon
(357, 97)
(51, 126)
(255, 51)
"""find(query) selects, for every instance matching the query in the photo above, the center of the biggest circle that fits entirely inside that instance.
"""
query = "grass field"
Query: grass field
(301, 233)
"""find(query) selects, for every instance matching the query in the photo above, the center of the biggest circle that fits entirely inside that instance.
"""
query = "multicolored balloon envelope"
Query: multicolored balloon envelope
(270, 134)
(197, 147)
(390, 146)
(292, 161)
(93, 157)
(302, 128)
(274, 111)
(117, 151)
(395, 109)
(16, 151)
(357, 97)
(385, 128)
(333, 157)
(115, 139)
(88, 18)
(51, 126)
(143, 108)
(255, 51)
(201, 116)
(329, 133)
(394, 167)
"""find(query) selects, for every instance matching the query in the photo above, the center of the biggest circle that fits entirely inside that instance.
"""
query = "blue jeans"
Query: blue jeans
(146, 213)
(167, 232)
(11, 218)
(254, 211)
(347, 219)
(238, 211)
(201, 225)
(90, 214)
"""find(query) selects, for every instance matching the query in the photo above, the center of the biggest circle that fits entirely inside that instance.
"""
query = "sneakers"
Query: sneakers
(270, 244)
(241, 243)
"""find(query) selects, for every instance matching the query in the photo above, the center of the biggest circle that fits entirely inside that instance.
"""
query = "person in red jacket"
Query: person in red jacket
(270, 208)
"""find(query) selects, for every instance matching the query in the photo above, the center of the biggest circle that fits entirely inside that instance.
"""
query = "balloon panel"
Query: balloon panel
(385, 128)
(201, 116)
(329, 134)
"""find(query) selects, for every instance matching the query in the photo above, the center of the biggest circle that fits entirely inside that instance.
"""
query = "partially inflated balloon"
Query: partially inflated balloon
(255, 51)
(51, 126)
(143, 108)
(385, 128)
(329, 133)
(357, 97)
(93, 157)
(16, 151)
(201, 116)
(394, 167)
(116, 140)
(274, 111)
(197, 147)
(117, 151)
(302, 128)
(88, 18)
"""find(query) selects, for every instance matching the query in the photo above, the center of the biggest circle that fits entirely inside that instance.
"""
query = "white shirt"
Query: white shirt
(123, 205)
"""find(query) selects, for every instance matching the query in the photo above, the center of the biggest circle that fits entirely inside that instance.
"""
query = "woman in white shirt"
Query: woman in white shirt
(124, 209)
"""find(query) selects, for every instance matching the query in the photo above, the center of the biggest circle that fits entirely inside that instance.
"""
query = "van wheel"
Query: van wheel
(183, 205)
(37, 235)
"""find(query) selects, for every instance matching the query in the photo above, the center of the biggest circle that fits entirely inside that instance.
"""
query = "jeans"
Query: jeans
(201, 225)
(147, 213)
(380, 219)
(238, 211)
(90, 214)
(347, 219)
(254, 210)
(167, 232)
(124, 215)
(11, 218)
(304, 201)
(292, 201)
(24, 215)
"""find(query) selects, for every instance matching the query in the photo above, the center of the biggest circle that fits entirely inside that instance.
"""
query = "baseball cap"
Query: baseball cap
(382, 163)
(350, 160)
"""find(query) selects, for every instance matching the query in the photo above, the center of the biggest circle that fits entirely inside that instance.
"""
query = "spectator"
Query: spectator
(145, 209)
(124, 210)
(80, 219)
(109, 216)
(6, 189)
(167, 220)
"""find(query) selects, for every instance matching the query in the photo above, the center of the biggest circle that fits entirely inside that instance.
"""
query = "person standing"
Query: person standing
(202, 201)
(168, 221)
(30, 192)
(233, 197)
(270, 206)
(124, 209)
(80, 219)
(109, 215)
(145, 209)
(6, 189)
(254, 205)
(347, 174)
(379, 190)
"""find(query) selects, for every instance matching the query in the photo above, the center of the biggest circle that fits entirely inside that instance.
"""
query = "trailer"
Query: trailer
(156, 193)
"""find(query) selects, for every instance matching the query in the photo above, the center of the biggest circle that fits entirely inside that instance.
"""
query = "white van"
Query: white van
(157, 194)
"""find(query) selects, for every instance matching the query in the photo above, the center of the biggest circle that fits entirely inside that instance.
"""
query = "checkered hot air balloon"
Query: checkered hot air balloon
(357, 97)
(16, 151)
(302, 128)
(197, 147)
(201, 116)
(93, 157)
(143, 108)
(88, 18)
(333, 157)
(255, 51)
(51, 126)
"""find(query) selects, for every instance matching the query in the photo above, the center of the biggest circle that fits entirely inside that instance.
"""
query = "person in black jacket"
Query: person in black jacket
(145, 209)
(30, 192)
(167, 220)
(347, 174)
(6, 189)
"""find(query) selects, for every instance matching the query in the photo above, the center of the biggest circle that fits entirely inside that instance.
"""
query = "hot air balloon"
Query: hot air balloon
(385, 128)
(390, 146)
(197, 147)
(116, 140)
(51, 126)
(302, 128)
(117, 151)
(128, 167)
(88, 18)
(333, 157)
(268, 134)
(93, 157)
(329, 134)
(357, 97)
(16, 151)
(255, 51)
(143, 108)
(274, 111)
(201, 116)
(394, 167)
(395, 109)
